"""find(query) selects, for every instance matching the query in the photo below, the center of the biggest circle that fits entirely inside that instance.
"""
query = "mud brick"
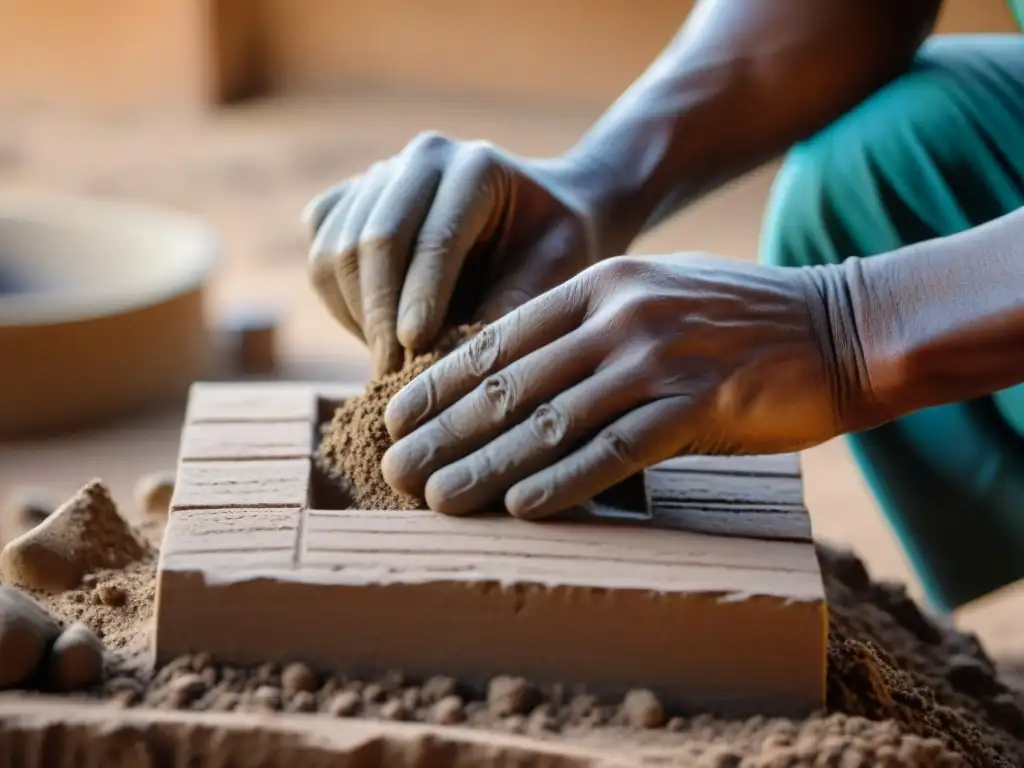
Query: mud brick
(251, 402)
(246, 440)
(216, 484)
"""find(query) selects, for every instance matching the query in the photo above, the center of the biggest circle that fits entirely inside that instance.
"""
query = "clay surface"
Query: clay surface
(904, 690)
(246, 566)
(85, 534)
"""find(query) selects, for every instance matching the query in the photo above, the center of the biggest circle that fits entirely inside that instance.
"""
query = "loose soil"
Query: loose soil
(355, 440)
(903, 690)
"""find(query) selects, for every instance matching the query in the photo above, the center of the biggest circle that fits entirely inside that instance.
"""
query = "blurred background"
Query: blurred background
(238, 111)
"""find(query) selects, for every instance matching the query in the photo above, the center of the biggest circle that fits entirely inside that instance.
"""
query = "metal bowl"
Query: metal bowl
(101, 310)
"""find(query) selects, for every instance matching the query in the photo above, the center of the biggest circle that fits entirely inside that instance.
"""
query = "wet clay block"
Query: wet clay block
(246, 440)
(214, 484)
(250, 402)
(707, 620)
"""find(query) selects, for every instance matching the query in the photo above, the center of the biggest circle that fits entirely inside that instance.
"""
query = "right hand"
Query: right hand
(445, 232)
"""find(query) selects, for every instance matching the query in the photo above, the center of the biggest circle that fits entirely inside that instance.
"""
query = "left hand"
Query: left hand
(631, 362)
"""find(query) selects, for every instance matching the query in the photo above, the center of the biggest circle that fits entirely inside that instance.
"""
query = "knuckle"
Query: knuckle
(448, 429)
(499, 396)
(621, 448)
(549, 424)
(428, 142)
(437, 240)
(482, 351)
(346, 263)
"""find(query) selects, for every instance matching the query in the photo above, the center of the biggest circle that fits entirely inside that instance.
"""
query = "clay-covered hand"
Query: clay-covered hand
(444, 232)
(633, 361)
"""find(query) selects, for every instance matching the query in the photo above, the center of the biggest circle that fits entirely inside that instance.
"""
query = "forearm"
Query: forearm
(941, 321)
(740, 83)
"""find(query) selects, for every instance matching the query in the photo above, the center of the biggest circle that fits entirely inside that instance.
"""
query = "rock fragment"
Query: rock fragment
(76, 661)
(153, 492)
(26, 633)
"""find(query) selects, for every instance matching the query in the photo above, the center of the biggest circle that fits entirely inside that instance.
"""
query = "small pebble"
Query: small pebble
(111, 595)
(26, 631)
(411, 698)
(643, 709)
(511, 696)
(373, 693)
(514, 724)
(30, 505)
(437, 688)
(76, 659)
(267, 697)
(252, 334)
(393, 710)
(224, 702)
(298, 677)
(153, 491)
(344, 704)
(186, 688)
(302, 701)
(448, 711)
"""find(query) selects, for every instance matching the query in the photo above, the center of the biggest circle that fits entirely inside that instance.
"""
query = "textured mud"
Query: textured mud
(903, 690)
(355, 440)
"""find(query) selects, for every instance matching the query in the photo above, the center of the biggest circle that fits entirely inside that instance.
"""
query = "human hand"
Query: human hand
(443, 233)
(631, 362)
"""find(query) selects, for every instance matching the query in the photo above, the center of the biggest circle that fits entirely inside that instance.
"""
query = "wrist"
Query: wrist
(866, 375)
(601, 193)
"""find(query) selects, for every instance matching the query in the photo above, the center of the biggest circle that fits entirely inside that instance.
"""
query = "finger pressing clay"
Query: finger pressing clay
(29, 505)
(153, 491)
(76, 660)
(26, 631)
(84, 534)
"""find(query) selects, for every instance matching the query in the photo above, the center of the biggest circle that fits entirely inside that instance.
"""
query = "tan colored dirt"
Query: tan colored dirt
(84, 535)
(903, 690)
(356, 439)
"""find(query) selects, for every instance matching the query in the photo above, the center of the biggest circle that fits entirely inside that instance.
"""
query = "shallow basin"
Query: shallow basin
(101, 310)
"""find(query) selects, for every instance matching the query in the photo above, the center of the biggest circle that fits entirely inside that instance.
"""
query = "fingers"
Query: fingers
(317, 209)
(631, 443)
(322, 272)
(462, 214)
(551, 431)
(384, 249)
(531, 327)
(496, 405)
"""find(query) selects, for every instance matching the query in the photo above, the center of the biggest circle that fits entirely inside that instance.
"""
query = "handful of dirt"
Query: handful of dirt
(355, 441)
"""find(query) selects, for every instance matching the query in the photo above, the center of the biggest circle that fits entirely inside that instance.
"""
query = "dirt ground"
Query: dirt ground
(249, 171)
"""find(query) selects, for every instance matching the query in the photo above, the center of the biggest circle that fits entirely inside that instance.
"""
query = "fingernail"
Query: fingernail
(380, 354)
(446, 486)
(523, 503)
(412, 326)
(407, 409)
(402, 465)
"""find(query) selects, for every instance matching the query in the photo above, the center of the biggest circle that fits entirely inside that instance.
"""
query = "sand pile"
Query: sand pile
(355, 440)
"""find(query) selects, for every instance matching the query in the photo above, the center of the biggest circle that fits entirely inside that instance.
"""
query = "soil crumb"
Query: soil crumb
(355, 441)
(904, 689)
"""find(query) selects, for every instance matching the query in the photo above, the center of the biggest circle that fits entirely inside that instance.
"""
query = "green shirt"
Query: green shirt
(1017, 9)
